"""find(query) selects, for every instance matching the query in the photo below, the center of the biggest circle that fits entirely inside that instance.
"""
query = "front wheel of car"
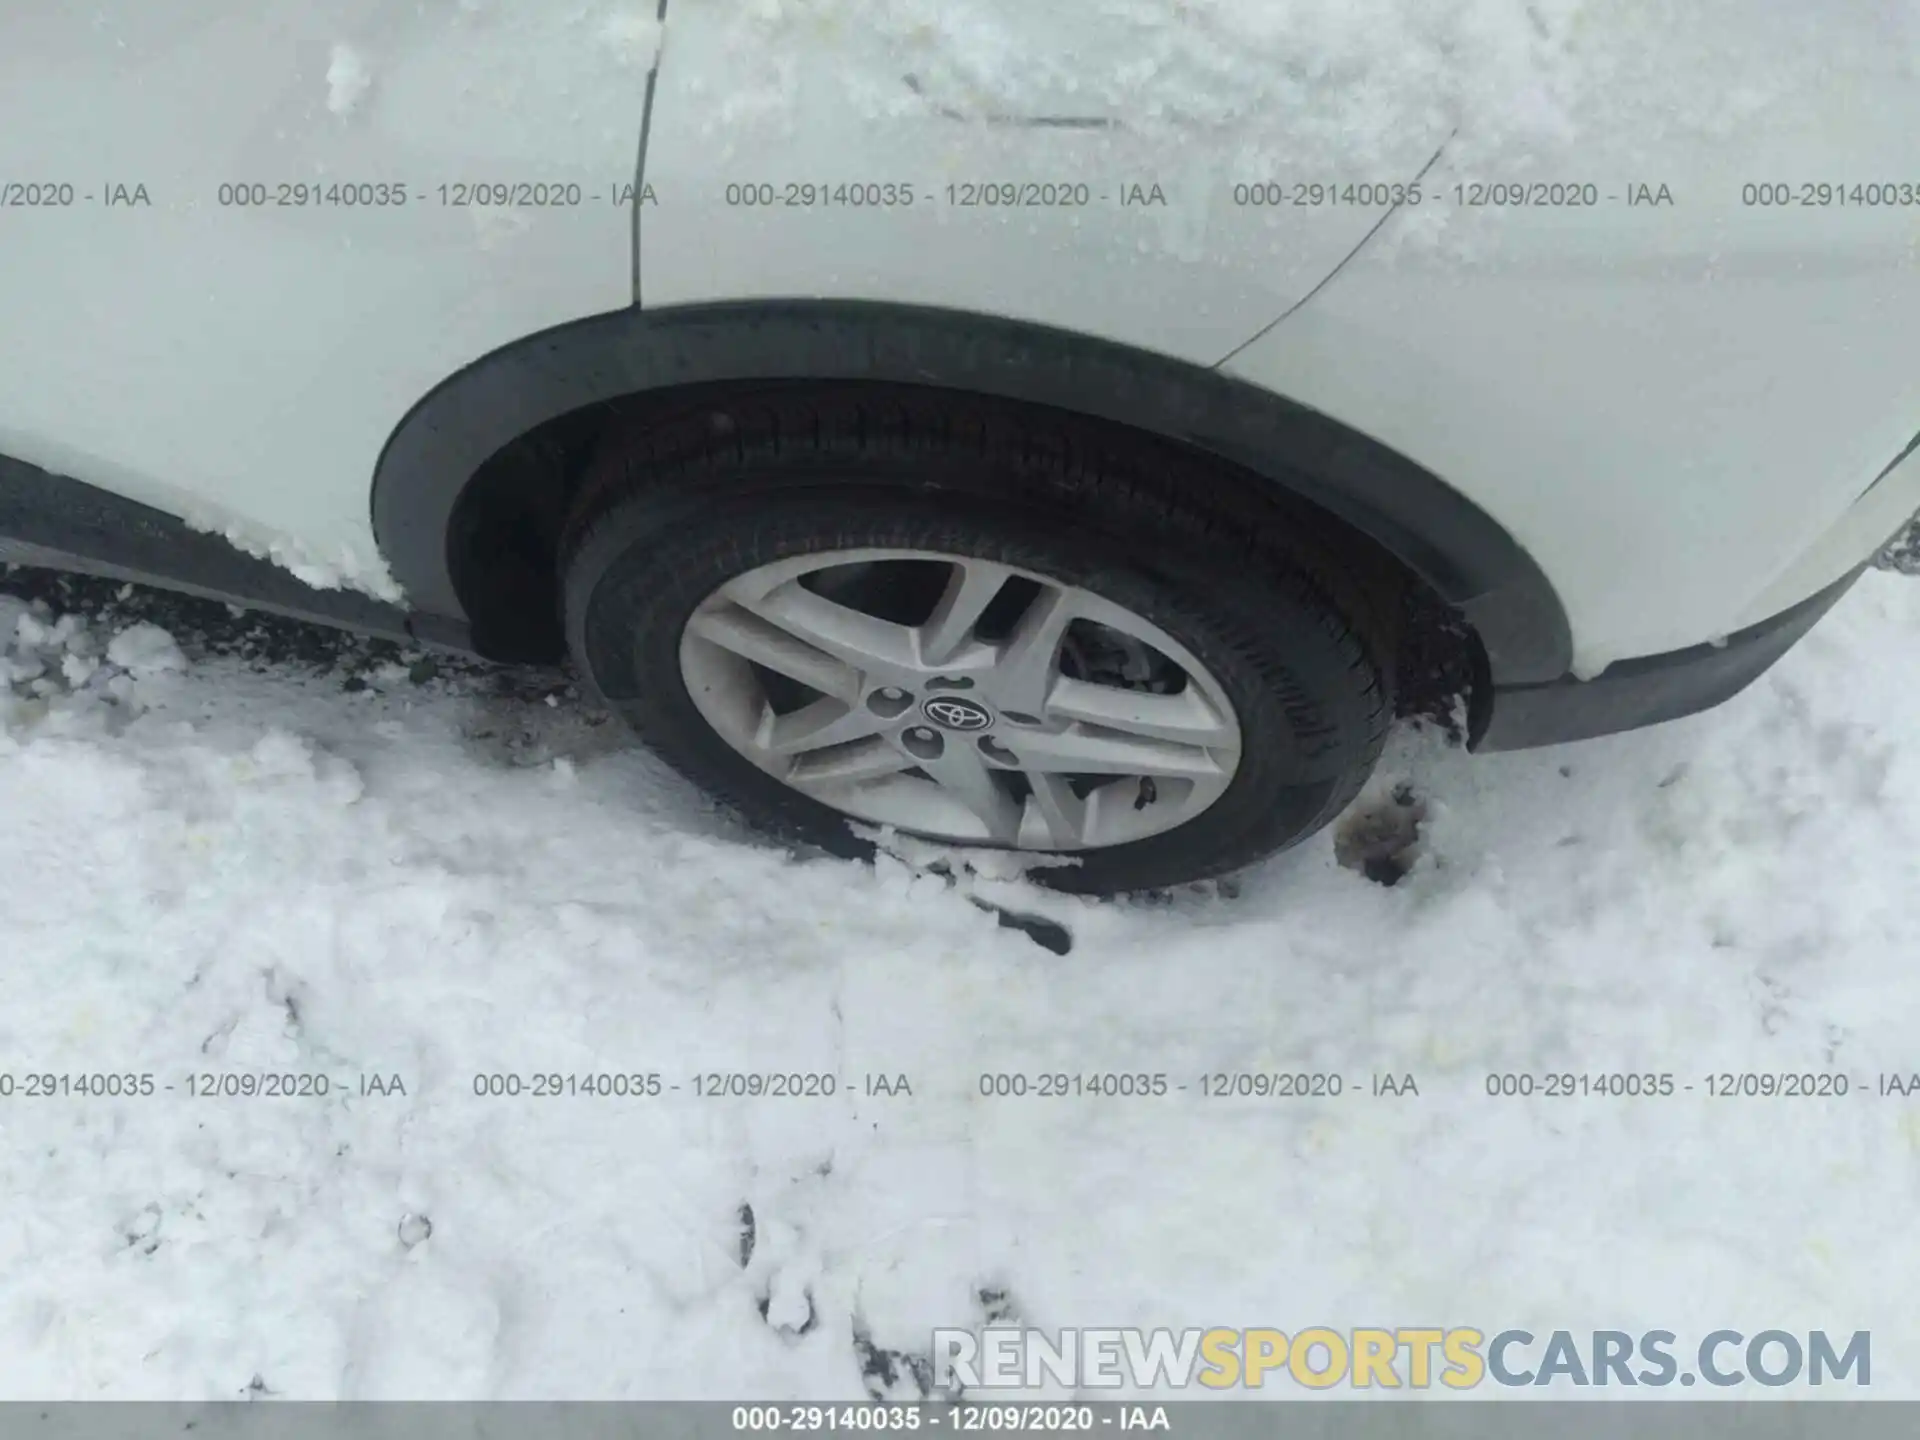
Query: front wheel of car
(979, 626)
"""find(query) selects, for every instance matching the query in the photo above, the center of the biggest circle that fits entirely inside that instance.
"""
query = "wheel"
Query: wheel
(979, 626)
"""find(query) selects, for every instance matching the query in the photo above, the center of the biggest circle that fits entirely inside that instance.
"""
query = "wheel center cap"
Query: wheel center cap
(950, 712)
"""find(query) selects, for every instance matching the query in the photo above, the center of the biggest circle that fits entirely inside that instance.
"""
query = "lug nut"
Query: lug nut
(922, 743)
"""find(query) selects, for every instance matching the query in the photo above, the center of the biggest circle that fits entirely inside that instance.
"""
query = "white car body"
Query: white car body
(1689, 414)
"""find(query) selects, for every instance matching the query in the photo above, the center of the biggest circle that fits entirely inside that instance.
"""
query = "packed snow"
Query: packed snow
(226, 857)
(1311, 83)
(348, 79)
(635, 36)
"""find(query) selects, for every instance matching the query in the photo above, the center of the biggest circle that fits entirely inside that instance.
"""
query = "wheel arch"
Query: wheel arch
(513, 416)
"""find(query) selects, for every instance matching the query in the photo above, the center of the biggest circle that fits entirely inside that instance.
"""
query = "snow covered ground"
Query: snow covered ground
(265, 850)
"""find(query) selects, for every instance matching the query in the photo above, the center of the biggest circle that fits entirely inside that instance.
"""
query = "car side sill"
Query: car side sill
(57, 523)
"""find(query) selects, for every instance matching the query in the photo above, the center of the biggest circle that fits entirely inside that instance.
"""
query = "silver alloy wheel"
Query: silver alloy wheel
(949, 729)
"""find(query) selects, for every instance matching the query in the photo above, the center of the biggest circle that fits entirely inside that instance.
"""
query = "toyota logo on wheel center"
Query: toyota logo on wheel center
(951, 713)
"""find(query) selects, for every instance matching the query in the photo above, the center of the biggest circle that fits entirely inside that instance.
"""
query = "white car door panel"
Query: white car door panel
(242, 239)
(792, 156)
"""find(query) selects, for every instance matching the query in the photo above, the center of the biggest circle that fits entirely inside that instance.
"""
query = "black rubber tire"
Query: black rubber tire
(1291, 626)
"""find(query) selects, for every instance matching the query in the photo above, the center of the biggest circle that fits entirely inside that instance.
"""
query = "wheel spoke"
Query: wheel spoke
(752, 638)
(825, 722)
(1061, 813)
(868, 644)
(960, 771)
(1025, 671)
(972, 589)
(1188, 717)
(849, 764)
(1085, 750)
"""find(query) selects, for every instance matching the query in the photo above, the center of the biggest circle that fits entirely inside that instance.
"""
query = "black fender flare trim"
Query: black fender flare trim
(1467, 556)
